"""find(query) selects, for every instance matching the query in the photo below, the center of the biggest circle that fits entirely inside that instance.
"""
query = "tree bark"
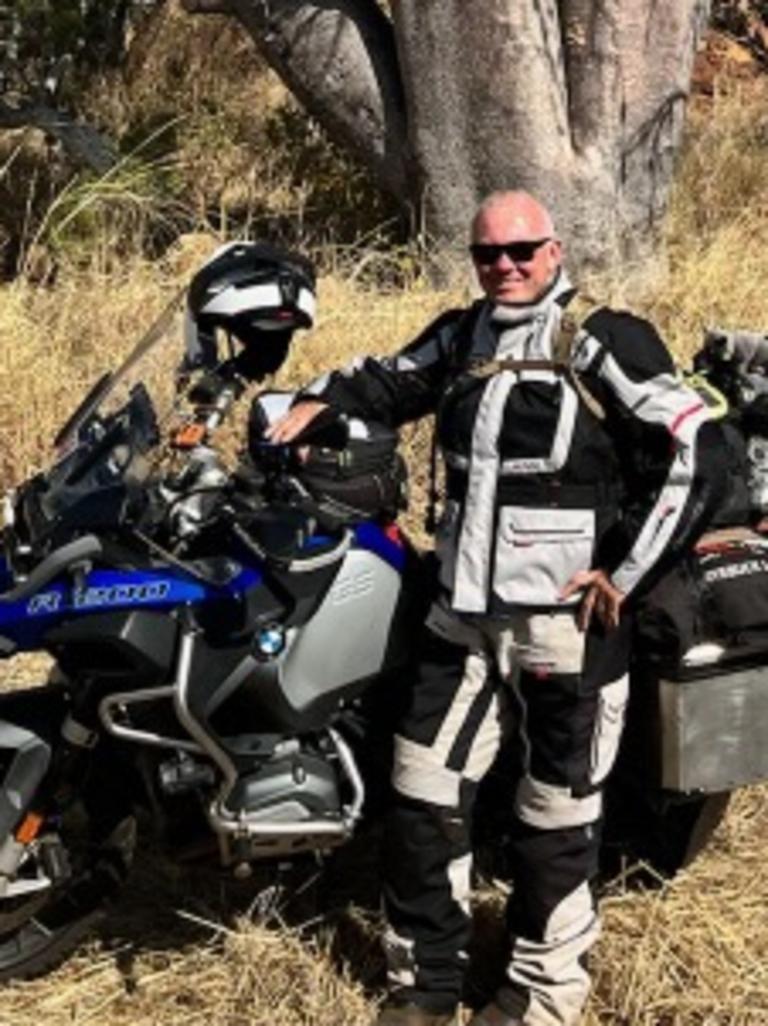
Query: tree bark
(579, 101)
(656, 75)
(491, 112)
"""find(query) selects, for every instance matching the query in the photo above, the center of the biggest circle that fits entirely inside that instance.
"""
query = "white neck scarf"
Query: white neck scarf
(521, 313)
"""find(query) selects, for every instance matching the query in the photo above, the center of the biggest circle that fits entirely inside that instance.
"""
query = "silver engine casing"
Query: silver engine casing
(352, 637)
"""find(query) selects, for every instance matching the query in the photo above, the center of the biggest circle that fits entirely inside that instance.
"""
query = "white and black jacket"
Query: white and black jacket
(538, 486)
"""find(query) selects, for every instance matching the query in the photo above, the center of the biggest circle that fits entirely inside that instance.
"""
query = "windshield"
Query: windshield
(135, 423)
(154, 363)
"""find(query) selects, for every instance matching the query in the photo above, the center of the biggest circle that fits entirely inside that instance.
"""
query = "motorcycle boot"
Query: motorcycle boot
(493, 1015)
(413, 1015)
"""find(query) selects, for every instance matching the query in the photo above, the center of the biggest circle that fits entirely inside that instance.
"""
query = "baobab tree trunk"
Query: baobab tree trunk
(580, 101)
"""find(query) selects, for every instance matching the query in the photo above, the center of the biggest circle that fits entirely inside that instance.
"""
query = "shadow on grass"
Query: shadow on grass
(170, 906)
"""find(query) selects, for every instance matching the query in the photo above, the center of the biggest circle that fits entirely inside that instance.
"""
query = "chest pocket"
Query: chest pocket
(538, 551)
(557, 424)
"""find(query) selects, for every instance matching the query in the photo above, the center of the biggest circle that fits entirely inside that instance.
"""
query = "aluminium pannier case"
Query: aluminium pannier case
(703, 635)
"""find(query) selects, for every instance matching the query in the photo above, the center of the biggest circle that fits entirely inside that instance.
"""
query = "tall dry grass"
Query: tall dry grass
(184, 950)
(692, 953)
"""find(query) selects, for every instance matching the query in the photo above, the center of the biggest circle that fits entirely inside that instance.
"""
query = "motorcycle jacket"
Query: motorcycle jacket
(540, 483)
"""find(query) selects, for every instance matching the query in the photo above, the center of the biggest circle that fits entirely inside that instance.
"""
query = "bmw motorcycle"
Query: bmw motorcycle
(225, 639)
(214, 632)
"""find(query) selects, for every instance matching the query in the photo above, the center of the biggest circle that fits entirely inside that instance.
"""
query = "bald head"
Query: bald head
(521, 211)
(516, 251)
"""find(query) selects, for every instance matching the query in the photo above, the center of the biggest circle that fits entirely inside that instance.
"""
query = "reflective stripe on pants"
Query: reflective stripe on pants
(559, 699)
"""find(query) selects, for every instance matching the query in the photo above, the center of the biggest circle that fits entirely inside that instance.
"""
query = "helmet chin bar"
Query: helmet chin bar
(254, 362)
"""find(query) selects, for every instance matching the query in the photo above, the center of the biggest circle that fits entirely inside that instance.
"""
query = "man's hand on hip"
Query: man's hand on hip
(601, 598)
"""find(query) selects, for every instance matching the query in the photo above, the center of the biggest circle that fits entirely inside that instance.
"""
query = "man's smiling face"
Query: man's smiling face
(514, 249)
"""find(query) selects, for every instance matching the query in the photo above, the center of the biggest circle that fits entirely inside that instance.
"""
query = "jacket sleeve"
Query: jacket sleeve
(636, 371)
(393, 389)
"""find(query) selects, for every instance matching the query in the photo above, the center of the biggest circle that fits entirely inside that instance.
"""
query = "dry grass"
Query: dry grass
(209, 139)
(55, 342)
(180, 953)
(693, 953)
(187, 967)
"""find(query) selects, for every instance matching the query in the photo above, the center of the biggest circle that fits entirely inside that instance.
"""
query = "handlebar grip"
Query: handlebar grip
(87, 547)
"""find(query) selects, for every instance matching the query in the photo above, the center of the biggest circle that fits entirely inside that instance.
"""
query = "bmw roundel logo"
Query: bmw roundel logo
(270, 642)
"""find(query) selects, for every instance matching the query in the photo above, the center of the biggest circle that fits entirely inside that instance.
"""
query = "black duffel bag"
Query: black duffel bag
(718, 593)
(365, 480)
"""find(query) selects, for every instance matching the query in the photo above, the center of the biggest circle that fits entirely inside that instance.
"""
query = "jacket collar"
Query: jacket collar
(561, 291)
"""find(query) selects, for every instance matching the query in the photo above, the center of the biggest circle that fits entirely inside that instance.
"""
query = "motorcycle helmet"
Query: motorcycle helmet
(258, 294)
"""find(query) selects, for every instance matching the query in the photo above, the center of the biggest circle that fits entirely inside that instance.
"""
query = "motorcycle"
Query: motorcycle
(213, 632)
(225, 641)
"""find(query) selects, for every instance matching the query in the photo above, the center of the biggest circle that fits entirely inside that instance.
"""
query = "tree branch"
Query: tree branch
(338, 57)
(83, 144)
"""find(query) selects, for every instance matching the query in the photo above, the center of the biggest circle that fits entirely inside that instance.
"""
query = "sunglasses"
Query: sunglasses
(487, 253)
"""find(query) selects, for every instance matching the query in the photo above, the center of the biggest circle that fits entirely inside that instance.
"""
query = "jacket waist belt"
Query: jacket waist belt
(541, 492)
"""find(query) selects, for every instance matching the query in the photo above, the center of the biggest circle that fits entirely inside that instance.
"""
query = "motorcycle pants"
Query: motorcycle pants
(559, 697)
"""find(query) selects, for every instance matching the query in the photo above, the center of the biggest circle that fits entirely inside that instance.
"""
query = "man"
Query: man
(528, 636)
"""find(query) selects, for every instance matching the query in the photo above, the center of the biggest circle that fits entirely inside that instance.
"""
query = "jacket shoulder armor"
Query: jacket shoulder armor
(633, 341)
(441, 328)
